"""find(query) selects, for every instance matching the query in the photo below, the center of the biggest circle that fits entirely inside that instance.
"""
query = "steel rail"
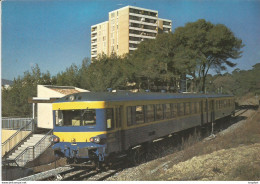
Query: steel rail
(47, 174)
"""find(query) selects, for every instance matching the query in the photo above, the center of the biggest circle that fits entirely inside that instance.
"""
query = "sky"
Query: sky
(55, 34)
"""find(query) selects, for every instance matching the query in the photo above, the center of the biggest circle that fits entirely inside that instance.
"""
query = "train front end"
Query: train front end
(79, 132)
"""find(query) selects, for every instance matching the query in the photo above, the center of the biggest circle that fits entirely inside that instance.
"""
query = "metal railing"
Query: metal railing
(14, 123)
(17, 137)
(32, 152)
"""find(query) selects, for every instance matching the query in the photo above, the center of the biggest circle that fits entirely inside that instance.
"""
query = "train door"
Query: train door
(207, 110)
(212, 110)
(114, 140)
(119, 123)
(201, 111)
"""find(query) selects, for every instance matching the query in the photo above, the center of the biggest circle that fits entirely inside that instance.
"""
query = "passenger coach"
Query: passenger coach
(98, 126)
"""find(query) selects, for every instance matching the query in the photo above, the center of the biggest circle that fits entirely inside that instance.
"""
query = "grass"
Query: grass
(247, 134)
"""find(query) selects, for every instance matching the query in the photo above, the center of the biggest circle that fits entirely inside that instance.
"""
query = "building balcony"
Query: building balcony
(142, 22)
(132, 48)
(93, 49)
(134, 42)
(143, 11)
(167, 26)
(94, 32)
(93, 43)
(142, 29)
(142, 36)
(93, 37)
(93, 55)
(93, 28)
(145, 16)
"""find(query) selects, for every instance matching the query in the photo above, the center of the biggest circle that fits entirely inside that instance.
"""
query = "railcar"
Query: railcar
(98, 126)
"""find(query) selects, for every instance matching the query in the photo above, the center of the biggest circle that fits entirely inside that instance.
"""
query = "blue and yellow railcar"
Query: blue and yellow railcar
(96, 126)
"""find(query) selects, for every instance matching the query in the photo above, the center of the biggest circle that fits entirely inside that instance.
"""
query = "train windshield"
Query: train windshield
(84, 117)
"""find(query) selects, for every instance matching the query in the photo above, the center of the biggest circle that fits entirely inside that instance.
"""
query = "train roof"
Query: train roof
(130, 96)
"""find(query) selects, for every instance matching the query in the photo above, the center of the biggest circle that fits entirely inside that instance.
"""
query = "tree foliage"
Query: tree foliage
(238, 83)
(106, 72)
(206, 46)
(15, 99)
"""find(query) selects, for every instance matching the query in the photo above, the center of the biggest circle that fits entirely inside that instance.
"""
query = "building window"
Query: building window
(112, 15)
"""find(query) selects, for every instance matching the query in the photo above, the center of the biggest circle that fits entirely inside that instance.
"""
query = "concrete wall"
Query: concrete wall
(123, 32)
(6, 134)
(44, 110)
(102, 38)
(13, 142)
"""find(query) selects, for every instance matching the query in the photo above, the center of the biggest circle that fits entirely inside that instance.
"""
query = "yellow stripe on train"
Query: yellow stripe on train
(79, 105)
(77, 136)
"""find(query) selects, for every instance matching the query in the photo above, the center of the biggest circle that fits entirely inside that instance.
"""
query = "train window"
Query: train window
(118, 117)
(88, 117)
(110, 119)
(205, 106)
(76, 117)
(180, 109)
(167, 111)
(187, 108)
(159, 111)
(139, 114)
(129, 116)
(59, 118)
(194, 107)
(149, 113)
(225, 103)
(174, 110)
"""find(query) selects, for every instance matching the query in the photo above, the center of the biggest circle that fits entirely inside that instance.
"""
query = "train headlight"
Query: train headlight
(55, 139)
(95, 139)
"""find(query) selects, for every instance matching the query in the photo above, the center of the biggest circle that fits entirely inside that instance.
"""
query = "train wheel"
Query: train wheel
(137, 156)
(70, 160)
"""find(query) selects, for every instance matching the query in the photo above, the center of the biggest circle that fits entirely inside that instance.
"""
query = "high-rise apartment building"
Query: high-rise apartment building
(125, 29)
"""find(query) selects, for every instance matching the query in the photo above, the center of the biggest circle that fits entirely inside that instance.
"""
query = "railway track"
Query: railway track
(48, 175)
(68, 173)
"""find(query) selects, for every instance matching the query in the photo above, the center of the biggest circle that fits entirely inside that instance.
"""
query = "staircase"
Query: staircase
(35, 145)
(34, 139)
